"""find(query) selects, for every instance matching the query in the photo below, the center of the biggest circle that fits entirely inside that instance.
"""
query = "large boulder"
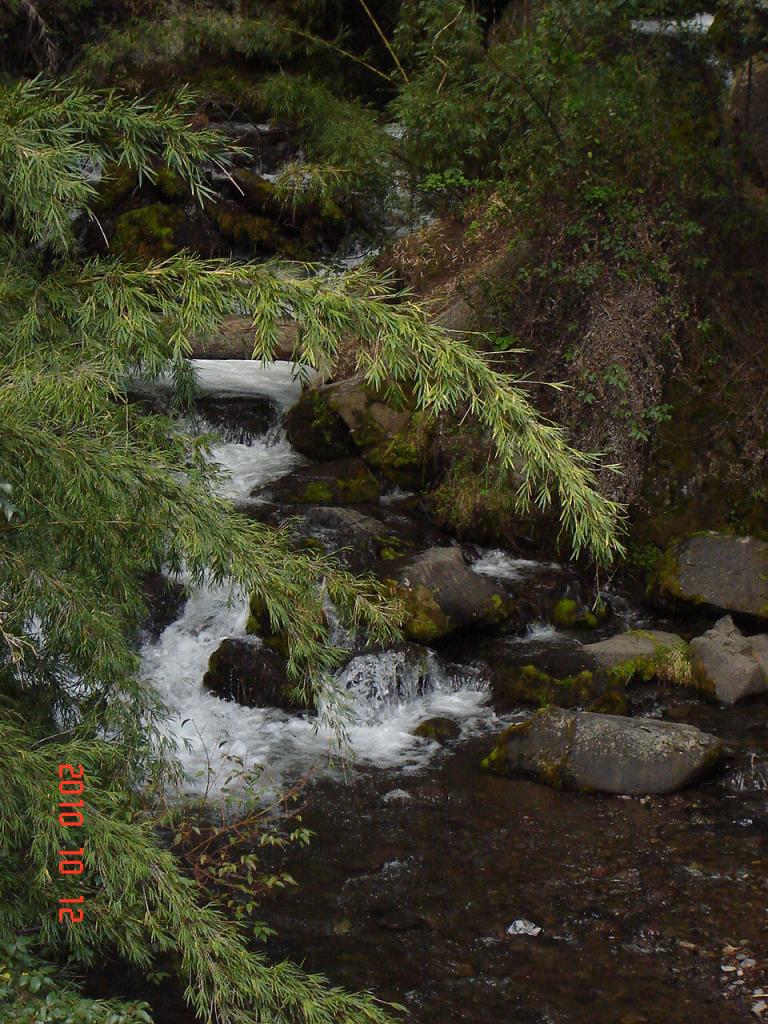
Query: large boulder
(370, 420)
(245, 671)
(717, 571)
(335, 420)
(344, 482)
(315, 428)
(729, 665)
(586, 751)
(441, 594)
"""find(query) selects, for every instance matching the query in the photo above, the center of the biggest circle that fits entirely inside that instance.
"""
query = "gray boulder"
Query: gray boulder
(715, 570)
(728, 664)
(644, 644)
(441, 594)
(586, 751)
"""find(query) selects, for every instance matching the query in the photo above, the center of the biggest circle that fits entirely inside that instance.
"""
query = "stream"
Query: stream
(462, 896)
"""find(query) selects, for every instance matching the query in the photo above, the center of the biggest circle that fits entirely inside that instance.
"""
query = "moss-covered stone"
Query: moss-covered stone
(315, 429)
(148, 232)
(246, 229)
(344, 482)
(439, 730)
(527, 684)
(570, 614)
(260, 624)
(440, 594)
(425, 620)
(117, 183)
(404, 459)
(171, 185)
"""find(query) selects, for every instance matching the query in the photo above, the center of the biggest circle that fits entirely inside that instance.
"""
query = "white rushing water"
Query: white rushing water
(388, 695)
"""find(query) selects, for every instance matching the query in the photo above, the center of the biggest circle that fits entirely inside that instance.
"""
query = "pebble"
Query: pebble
(523, 927)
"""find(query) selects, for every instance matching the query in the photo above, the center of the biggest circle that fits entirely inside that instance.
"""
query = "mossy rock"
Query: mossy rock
(315, 429)
(246, 229)
(642, 656)
(568, 613)
(252, 675)
(441, 594)
(527, 684)
(171, 185)
(425, 621)
(606, 753)
(371, 420)
(345, 482)
(439, 730)
(404, 459)
(148, 232)
(117, 183)
(718, 572)
(260, 624)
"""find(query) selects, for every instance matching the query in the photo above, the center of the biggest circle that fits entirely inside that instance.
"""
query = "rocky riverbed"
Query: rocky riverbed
(461, 892)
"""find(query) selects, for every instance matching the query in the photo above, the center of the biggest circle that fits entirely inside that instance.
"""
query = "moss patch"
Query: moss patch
(424, 618)
(148, 232)
(569, 614)
(527, 684)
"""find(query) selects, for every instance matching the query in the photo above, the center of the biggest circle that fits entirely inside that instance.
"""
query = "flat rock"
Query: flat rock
(716, 570)
(728, 664)
(637, 643)
(587, 751)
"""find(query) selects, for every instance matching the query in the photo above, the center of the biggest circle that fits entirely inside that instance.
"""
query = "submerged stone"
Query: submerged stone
(438, 729)
(588, 751)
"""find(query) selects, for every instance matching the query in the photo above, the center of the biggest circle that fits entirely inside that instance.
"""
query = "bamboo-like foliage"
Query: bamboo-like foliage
(101, 493)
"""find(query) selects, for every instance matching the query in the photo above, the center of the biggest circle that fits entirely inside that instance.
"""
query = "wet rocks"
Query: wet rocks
(338, 419)
(715, 570)
(441, 594)
(245, 671)
(343, 482)
(586, 751)
(316, 429)
(438, 729)
(728, 664)
(513, 685)
(238, 419)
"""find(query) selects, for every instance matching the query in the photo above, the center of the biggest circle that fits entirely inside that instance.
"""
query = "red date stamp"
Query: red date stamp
(71, 815)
